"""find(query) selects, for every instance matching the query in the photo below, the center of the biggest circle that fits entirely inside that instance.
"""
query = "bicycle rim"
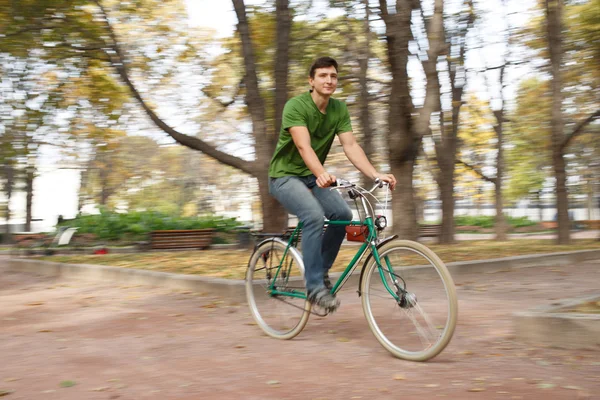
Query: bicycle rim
(420, 323)
(279, 316)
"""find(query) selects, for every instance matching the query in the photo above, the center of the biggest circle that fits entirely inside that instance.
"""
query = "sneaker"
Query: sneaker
(327, 281)
(324, 299)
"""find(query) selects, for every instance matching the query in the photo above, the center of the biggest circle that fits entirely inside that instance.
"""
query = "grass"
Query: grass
(231, 264)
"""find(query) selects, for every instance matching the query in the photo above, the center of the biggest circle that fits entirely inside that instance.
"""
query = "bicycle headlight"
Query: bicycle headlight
(380, 222)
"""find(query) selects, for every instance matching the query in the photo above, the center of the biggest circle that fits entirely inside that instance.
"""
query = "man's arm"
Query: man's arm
(357, 156)
(301, 138)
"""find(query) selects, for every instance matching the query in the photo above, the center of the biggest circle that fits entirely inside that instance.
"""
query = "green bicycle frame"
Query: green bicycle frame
(371, 241)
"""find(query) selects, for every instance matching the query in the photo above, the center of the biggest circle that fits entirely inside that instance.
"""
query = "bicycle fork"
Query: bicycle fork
(404, 298)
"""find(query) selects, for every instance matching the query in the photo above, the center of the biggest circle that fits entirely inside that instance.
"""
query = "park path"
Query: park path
(107, 341)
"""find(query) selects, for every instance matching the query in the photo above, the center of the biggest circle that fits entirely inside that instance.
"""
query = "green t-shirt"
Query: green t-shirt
(302, 111)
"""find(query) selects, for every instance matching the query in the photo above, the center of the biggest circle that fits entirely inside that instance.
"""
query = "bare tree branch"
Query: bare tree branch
(118, 62)
(578, 130)
(477, 171)
(225, 104)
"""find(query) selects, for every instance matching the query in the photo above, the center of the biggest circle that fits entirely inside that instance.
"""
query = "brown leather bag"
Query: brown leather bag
(357, 233)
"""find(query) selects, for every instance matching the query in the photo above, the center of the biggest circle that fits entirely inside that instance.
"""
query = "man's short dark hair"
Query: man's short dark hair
(322, 62)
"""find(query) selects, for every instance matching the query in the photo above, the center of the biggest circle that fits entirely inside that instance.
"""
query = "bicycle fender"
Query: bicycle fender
(362, 271)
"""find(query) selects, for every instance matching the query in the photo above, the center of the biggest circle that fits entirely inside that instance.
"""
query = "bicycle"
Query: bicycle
(397, 272)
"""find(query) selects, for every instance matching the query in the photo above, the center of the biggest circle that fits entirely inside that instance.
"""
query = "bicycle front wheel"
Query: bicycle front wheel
(410, 301)
(276, 291)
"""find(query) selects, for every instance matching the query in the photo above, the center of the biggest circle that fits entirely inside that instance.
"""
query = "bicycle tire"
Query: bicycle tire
(279, 316)
(413, 265)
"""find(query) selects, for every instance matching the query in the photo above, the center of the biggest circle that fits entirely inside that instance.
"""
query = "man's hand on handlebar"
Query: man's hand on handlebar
(325, 180)
(389, 178)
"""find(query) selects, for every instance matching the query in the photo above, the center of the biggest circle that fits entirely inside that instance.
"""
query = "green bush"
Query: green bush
(518, 222)
(489, 221)
(480, 221)
(136, 226)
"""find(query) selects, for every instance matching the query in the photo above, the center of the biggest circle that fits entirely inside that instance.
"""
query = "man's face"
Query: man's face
(325, 81)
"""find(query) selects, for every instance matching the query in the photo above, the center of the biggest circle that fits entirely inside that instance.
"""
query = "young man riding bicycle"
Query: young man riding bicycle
(299, 180)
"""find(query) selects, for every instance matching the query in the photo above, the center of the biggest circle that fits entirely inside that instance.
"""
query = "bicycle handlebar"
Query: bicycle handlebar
(344, 184)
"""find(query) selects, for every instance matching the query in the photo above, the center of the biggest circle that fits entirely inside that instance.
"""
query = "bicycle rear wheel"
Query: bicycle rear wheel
(278, 315)
(418, 322)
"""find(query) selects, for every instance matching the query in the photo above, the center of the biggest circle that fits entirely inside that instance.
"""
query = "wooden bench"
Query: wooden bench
(24, 239)
(430, 230)
(181, 239)
(549, 224)
(285, 235)
(590, 224)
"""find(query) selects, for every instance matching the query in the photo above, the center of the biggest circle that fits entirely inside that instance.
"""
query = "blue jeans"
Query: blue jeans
(301, 196)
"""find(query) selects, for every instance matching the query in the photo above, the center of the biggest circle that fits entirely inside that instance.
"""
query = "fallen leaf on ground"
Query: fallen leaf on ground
(273, 382)
(546, 385)
(477, 389)
(399, 377)
(66, 384)
(571, 387)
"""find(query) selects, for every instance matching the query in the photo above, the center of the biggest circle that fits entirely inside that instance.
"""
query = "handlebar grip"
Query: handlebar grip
(334, 184)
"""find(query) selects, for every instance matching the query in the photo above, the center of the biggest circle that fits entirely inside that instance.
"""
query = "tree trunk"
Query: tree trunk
(590, 197)
(8, 188)
(282, 57)
(275, 217)
(30, 175)
(500, 221)
(273, 222)
(447, 195)
(554, 37)
(447, 147)
(365, 115)
(403, 140)
(403, 201)
(83, 177)
(540, 205)
(562, 200)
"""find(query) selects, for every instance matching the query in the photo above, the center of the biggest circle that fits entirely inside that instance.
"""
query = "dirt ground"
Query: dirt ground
(68, 340)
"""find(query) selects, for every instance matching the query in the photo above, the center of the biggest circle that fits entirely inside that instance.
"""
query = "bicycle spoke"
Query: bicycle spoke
(428, 334)
(418, 321)
(279, 315)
